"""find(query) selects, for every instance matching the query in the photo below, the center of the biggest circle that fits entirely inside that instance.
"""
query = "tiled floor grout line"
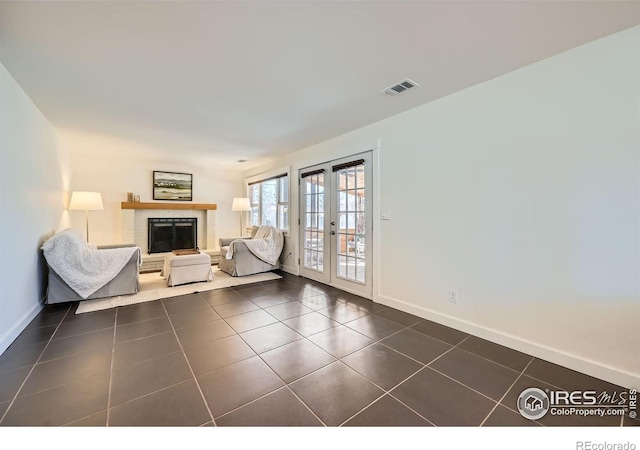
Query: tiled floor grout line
(491, 360)
(475, 354)
(252, 286)
(340, 358)
(319, 368)
(385, 391)
(461, 383)
(82, 418)
(406, 356)
(276, 374)
(275, 292)
(33, 367)
(130, 324)
(541, 381)
(311, 373)
(272, 289)
(458, 381)
(365, 407)
(184, 355)
(506, 392)
(81, 334)
(286, 385)
(461, 342)
(439, 356)
(113, 357)
(390, 394)
(282, 321)
(465, 350)
(252, 401)
(316, 294)
(141, 338)
(62, 384)
(110, 379)
(256, 354)
(147, 395)
(409, 327)
(375, 341)
(395, 387)
(338, 301)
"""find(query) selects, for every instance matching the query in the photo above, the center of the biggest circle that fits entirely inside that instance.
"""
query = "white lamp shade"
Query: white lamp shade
(241, 204)
(86, 201)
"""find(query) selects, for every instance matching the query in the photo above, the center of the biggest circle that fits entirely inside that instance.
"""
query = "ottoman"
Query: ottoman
(181, 269)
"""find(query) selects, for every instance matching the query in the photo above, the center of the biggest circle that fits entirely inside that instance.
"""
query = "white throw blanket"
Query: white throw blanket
(82, 266)
(266, 244)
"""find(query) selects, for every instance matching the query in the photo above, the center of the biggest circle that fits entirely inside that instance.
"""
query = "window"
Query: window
(270, 202)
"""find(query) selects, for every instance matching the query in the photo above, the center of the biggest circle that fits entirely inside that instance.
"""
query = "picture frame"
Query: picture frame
(174, 186)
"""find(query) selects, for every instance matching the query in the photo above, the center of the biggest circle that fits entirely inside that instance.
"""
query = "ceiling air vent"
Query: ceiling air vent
(400, 87)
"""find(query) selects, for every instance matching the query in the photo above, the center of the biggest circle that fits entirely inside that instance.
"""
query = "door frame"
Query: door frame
(329, 276)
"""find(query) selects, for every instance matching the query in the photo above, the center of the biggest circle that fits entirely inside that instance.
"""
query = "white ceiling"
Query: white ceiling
(256, 79)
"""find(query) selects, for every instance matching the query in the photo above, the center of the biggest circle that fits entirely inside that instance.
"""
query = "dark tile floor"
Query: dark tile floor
(281, 353)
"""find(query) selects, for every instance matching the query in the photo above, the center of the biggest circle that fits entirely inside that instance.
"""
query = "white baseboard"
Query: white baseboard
(554, 355)
(14, 332)
(293, 270)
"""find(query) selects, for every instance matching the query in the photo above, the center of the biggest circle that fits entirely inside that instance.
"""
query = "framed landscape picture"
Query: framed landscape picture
(172, 186)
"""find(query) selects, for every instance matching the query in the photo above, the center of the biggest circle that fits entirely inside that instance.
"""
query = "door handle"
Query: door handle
(333, 233)
(333, 224)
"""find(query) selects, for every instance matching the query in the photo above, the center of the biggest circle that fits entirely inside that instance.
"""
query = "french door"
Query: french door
(335, 223)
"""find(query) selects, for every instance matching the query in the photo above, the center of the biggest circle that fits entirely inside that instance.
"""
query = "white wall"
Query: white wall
(34, 174)
(523, 193)
(114, 166)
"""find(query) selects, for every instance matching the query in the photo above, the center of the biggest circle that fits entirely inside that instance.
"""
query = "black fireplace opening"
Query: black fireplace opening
(166, 234)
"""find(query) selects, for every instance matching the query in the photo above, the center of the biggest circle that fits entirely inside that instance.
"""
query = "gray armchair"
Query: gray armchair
(243, 262)
(126, 282)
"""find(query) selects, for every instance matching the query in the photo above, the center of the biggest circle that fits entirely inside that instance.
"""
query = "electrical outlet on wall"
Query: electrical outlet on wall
(453, 295)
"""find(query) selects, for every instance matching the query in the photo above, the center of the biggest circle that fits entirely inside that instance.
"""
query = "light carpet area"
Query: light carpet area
(154, 287)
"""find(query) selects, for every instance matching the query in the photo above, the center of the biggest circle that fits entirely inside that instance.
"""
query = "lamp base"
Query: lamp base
(87, 217)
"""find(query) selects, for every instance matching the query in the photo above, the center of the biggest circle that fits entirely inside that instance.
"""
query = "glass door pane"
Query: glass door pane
(313, 216)
(350, 226)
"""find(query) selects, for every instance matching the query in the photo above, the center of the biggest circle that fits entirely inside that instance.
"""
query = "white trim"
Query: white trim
(554, 355)
(376, 271)
(19, 327)
(267, 174)
(290, 269)
(350, 291)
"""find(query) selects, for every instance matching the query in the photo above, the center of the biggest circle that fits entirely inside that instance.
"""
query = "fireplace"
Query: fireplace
(135, 223)
(167, 234)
